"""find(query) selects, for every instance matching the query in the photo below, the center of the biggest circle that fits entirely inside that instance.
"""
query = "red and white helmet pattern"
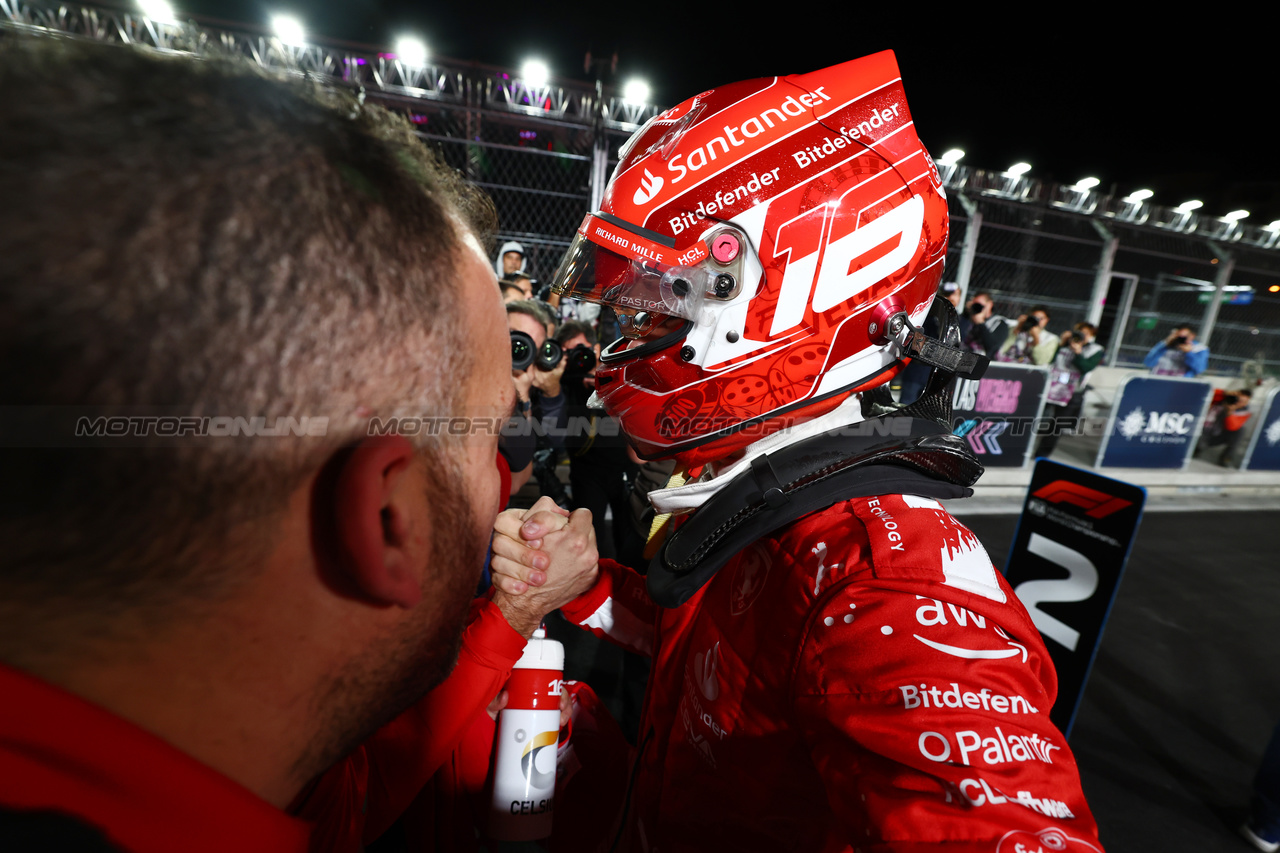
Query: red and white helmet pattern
(754, 240)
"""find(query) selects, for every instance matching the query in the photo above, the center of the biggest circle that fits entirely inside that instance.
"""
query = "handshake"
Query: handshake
(543, 558)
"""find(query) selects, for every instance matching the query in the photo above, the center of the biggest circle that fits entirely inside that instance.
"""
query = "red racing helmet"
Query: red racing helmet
(755, 242)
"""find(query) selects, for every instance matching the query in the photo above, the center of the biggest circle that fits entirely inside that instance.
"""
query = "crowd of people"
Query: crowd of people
(299, 642)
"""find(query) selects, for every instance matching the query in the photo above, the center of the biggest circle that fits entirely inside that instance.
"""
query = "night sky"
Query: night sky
(1175, 103)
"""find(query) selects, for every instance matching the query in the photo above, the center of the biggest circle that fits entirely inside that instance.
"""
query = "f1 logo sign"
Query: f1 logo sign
(849, 264)
(1098, 504)
(1066, 566)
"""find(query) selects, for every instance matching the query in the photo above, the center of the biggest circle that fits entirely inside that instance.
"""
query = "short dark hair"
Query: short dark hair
(1040, 308)
(527, 307)
(572, 328)
(507, 287)
(198, 235)
(1093, 330)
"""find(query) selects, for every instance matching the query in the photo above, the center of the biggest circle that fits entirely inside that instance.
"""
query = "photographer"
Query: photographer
(1180, 354)
(1078, 354)
(599, 466)
(1224, 424)
(537, 378)
(981, 329)
(1030, 342)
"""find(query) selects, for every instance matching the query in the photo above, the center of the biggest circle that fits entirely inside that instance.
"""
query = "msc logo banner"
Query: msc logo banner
(1154, 423)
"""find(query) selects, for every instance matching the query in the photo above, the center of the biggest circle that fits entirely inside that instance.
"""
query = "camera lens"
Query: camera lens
(549, 355)
(580, 361)
(522, 351)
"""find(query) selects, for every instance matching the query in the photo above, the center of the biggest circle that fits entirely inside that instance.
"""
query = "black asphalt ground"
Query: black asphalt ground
(1185, 690)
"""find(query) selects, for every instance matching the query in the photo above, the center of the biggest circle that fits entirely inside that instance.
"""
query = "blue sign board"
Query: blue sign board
(1264, 446)
(1154, 423)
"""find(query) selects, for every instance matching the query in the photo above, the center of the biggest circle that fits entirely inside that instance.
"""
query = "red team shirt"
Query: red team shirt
(864, 679)
(63, 754)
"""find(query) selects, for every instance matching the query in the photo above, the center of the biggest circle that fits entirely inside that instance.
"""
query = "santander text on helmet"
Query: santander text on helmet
(737, 136)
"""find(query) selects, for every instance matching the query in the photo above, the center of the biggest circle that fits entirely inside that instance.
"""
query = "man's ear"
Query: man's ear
(379, 551)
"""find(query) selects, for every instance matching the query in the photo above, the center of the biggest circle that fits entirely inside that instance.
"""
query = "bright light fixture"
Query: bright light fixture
(636, 91)
(411, 51)
(1018, 169)
(951, 157)
(289, 29)
(1236, 215)
(535, 73)
(1085, 184)
(1188, 206)
(158, 10)
(1138, 195)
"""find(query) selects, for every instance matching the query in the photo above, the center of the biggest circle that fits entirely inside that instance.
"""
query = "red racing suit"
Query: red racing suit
(862, 679)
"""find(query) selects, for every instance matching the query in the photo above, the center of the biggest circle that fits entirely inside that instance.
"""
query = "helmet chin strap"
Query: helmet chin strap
(916, 345)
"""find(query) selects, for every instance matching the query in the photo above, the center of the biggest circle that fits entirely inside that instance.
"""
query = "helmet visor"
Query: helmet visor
(629, 273)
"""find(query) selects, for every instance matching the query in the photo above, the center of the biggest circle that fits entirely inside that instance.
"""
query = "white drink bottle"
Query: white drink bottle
(524, 775)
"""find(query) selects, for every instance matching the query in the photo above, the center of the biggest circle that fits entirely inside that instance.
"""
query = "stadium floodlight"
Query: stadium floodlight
(1017, 170)
(1188, 206)
(411, 50)
(1086, 184)
(1273, 226)
(535, 73)
(158, 10)
(951, 157)
(1138, 195)
(289, 30)
(1236, 215)
(636, 91)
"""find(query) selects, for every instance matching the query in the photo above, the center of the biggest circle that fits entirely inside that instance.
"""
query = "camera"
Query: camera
(581, 361)
(1230, 399)
(1180, 340)
(524, 353)
(1075, 337)
(1028, 323)
(549, 355)
(975, 308)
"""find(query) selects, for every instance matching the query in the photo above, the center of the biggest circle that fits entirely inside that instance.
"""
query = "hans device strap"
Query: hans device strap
(795, 481)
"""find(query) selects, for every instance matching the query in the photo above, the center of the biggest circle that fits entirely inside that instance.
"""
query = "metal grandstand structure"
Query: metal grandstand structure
(544, 153)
